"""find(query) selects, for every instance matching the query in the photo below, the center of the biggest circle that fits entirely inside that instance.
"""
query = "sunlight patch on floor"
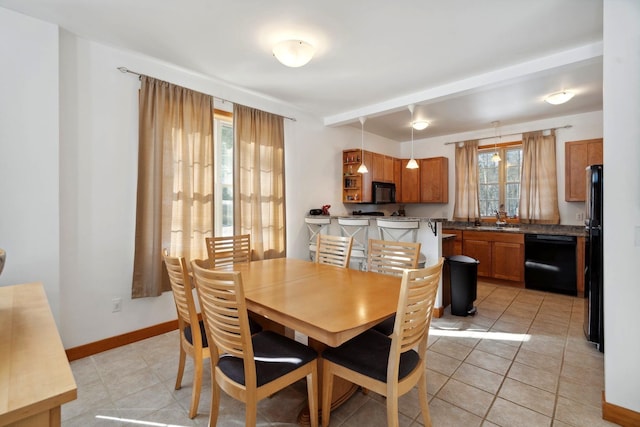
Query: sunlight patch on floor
(487, 335)
(140, 422)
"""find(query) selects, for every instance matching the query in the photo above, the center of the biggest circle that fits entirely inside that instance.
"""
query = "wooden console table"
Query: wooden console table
(35, 376)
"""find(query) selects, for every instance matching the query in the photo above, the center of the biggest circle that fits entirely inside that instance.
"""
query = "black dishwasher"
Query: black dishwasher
(550, 263)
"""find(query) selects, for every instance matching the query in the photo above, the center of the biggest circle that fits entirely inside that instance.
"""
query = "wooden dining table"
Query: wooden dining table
(328, 304)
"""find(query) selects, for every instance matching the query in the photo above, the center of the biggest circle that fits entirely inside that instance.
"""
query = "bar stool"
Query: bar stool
(316, 226)
(358, 229)
(401, 231)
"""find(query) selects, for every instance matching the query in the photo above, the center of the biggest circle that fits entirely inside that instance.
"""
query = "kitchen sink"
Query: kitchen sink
(496, 228)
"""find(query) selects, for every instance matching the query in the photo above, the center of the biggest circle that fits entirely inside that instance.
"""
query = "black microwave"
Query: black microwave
(383, 192)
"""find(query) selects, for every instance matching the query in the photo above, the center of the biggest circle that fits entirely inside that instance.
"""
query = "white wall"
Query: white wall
(67, 216)
(622, 202)
(584, 126)
(98, 183)
(29, 206)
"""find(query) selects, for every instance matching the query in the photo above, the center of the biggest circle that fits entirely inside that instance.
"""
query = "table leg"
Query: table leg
(342, 389)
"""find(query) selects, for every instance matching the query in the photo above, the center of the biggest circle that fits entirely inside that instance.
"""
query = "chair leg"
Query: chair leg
(312, 391)
(197, 384)
(392, 411)
(327, 391)
(181, 363)
(251, 409)
(424, 400)
(215, 400)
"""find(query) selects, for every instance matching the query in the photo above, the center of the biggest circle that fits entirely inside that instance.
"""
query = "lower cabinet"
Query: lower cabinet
(454, 244)
(501, 254)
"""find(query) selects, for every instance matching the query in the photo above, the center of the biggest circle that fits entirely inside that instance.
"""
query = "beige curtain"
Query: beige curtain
(467, 204)
(259, 205)
(538, 184)
(175, 180)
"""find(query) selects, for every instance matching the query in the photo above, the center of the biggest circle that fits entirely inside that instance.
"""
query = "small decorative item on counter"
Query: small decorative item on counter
(325, 209)
(315, 212)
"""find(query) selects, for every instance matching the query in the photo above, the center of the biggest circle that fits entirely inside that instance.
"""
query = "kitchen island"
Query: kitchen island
(429, 236)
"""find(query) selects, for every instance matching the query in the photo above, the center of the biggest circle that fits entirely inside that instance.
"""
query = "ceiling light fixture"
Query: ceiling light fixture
(293, 53)
(496, 157)
(363, 167)
(420, 124)
(559, 97)
(412, 164)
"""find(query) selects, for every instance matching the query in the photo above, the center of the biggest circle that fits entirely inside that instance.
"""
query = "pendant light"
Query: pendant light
(496, 157)
(363, 167)
(412, 164)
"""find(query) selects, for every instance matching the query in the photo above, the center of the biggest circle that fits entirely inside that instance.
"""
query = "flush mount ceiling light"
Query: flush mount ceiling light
(293, 53)
(496, 157)
(363, 167)
(412, 164)
(420, 124)
(559, 97)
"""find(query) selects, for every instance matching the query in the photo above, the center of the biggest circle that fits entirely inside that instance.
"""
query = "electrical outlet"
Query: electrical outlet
(116, 304)
(580, 216)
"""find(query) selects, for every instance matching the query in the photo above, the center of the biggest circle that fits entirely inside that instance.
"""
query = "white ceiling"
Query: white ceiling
(464, 63)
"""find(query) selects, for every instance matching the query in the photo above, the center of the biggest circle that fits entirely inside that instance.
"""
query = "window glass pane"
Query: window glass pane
(499, 183)
(489, 183)
(223, 200)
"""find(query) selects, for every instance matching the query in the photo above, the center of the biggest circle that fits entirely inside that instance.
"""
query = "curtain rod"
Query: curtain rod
(511, 134)
(126, 70)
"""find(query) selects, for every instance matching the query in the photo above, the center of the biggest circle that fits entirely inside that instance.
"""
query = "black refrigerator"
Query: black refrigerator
(593, 277)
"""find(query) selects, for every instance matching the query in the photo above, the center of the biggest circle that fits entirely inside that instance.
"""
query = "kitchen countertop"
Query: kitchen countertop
(385, 217)
(553, 229)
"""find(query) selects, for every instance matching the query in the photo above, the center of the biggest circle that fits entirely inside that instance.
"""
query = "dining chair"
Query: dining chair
(358, 228)
(400, 231)
(227, 250)
(193, 341)
(391, 257)
(315, 226)
(390, 366)
(248, 367)
(333, 250)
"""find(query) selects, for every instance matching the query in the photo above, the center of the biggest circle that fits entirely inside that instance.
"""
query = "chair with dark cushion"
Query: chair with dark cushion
(228, 250)
(333, 250)
(391, 257)
(193, 340)
(390, 366)
(248, 367)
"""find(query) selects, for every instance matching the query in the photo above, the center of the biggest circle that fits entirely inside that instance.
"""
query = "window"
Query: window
(499, 183)
(223, 185)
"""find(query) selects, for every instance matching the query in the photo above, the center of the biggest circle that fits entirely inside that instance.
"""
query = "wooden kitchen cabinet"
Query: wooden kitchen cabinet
(434, 180)
(356, 187)
(455, 243)
(397, 178)
(580, 253)
(501, 254)
(577, 156)
(410, 184)
(480, 250)
(508, 261)
(377, 167)
(387, 166)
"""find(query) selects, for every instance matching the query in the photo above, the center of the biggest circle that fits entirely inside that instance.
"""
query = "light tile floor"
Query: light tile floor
(521, 361)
